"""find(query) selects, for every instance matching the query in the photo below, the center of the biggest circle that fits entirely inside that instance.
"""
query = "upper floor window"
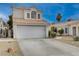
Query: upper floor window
(33, 14)
(28, 15)
(38, 16)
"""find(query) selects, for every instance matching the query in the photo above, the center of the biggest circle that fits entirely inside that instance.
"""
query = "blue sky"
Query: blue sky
(50, 10)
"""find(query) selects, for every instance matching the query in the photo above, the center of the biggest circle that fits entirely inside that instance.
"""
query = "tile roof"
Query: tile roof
(29, 22)
(70, 23)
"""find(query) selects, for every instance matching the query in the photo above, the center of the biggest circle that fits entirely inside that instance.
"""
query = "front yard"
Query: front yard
(9, 47)
(69, 40)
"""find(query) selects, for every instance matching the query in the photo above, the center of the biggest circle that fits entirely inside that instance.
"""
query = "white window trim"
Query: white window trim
(25, 14)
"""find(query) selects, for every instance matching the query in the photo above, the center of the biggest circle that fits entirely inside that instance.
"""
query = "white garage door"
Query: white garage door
(31, 32)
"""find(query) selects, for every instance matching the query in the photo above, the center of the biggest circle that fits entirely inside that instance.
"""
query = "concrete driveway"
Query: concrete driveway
(46, 47)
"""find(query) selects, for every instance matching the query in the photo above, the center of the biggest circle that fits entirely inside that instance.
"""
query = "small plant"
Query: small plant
(11, 51)
(76, 38)
(53, 34)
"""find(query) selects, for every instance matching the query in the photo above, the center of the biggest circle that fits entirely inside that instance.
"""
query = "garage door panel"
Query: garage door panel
(31, 31)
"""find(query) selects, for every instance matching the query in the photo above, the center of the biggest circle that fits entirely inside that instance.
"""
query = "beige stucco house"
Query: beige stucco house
(70, 27)
(28, 23)
(3, 29)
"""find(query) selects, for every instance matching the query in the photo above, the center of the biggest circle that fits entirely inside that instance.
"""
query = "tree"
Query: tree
(10, 23)
(58, 17)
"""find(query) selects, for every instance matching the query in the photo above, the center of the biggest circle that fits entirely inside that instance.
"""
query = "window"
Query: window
(28, 15)
(33, 14)
(67, 30)
(38, 16)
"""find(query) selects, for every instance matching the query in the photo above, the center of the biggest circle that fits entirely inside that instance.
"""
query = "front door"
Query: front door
(74, 31)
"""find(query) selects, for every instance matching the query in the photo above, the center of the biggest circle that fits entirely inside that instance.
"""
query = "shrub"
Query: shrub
(76, 38)
(54, 29)
(61, 31)
(53, 34)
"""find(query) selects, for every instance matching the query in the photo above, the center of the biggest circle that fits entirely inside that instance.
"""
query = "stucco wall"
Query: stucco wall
(18, 13)
(14, 31)
(70, 30)
(47, 29)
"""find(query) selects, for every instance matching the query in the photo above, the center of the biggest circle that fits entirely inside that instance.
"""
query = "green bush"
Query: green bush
(53, 34)
(54, 29)
(76, 38)
(61, 31)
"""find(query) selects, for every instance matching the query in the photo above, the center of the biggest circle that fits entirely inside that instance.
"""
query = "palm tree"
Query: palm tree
(58, 17)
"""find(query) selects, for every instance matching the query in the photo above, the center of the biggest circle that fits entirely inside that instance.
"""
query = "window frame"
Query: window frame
(33, 16)
(28, 15)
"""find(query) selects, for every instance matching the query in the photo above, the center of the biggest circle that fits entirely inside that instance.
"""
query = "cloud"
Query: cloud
(4, 17)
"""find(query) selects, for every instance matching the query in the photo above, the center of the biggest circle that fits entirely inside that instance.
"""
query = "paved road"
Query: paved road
(46, 47)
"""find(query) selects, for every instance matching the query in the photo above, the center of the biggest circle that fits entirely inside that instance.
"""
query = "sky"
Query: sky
(49, 10)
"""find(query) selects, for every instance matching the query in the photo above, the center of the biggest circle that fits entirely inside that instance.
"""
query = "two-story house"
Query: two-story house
(28, 23)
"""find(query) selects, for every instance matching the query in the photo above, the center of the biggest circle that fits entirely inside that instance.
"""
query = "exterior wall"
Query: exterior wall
(70, 31)
(14, 31)
(77, 32)
(25, 14)
(21, 13)
(47, 29)
(18, 13)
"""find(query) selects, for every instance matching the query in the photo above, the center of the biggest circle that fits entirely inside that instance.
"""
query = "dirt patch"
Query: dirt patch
(5, 45)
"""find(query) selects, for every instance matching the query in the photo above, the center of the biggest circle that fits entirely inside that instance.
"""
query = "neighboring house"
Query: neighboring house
(3, 29)
(70, 27)
(28, 23)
